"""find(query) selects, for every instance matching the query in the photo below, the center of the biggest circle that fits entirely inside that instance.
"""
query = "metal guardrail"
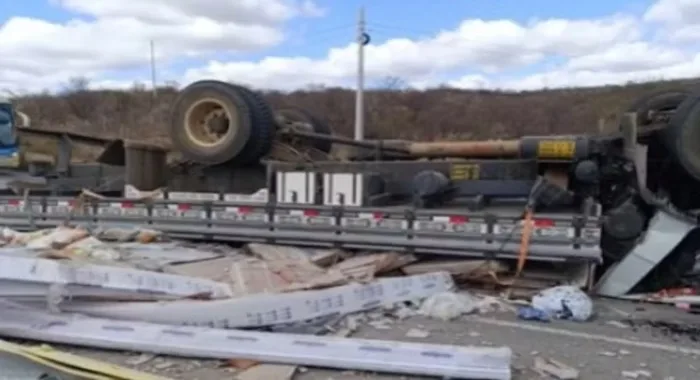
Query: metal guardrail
(556, 237)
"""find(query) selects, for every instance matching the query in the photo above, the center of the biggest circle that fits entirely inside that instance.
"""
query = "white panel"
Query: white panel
(359, 190)
(348, 185)
(439, 360)
(303, 183)
(47, 271)
(261, 310)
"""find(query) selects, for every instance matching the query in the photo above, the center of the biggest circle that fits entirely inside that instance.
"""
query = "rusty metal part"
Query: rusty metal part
(208, 123)
(475, 149)
(391, 146)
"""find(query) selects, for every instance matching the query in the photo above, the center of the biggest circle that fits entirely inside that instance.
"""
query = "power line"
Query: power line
(395, 28)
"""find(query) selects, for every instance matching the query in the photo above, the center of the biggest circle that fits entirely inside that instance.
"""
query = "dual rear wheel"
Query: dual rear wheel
(216, 122)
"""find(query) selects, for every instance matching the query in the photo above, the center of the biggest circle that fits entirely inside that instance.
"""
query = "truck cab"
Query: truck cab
(9, 147)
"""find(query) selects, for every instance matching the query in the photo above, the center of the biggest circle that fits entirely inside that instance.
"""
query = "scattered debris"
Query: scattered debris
(381, 324)
(554, 368)
(617, 324)
(135, 290)
(140, 360)
(689, 330)
(529, 313)
(464, 269)
(417, 333)
(242, 364)
(636, 374)
(448, 305)
(45, 361)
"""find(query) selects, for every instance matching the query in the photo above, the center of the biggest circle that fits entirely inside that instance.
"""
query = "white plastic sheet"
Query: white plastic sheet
(565, 302)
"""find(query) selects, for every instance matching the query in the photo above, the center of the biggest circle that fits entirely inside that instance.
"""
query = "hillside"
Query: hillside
(390, 114)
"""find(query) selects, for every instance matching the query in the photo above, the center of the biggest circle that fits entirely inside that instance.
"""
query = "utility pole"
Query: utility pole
(362, 40)
(153, 69)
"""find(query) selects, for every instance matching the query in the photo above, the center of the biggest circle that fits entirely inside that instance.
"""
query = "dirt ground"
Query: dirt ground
(607, 348)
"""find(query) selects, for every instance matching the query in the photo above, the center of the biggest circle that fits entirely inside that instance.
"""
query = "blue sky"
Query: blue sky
(312, 37)
(388, 19)
(423, 15)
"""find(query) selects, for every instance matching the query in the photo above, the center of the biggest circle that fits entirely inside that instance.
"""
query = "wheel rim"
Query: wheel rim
(209, 123)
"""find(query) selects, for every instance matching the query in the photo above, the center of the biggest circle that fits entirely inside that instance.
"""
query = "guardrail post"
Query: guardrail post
(208, 206)
(410, 216)
(490, 221)
(270, 207)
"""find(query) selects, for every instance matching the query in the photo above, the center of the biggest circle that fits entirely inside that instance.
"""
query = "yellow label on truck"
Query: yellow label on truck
(556, 149)
(460, 172)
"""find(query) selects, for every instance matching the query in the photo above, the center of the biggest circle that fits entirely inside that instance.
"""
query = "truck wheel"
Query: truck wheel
(664, 101)
(682, 136)
(294, 114)
(211, 122)
(263, 128)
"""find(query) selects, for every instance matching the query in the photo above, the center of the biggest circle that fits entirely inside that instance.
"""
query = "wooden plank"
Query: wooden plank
(363, 268)
(269, 252)
(462, 268)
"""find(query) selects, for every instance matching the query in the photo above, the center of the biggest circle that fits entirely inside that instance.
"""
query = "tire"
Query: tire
(300, 115)
(186, 106)
(664, 100)
(682, 137)
(263, 127)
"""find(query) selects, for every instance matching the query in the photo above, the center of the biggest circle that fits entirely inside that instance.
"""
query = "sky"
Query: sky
(297, 44)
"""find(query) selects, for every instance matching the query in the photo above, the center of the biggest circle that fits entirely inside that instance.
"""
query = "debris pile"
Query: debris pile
(134, 290)
(262, 310)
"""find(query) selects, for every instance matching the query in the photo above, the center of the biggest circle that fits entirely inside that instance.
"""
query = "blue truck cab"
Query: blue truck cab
(9, 146)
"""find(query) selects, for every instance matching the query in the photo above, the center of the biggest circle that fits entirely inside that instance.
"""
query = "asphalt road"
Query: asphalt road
(601, 349)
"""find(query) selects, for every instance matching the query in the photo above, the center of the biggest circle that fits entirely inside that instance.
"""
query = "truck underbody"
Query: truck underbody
(623, 202)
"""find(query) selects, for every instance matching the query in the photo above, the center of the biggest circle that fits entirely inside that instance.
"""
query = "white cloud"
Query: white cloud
(477, 44)
(680, 19)
(679, 12)
(486, 53)
(116, 35)
(627, 57)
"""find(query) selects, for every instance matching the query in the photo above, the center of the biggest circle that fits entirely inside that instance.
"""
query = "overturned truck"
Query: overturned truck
(624, 200)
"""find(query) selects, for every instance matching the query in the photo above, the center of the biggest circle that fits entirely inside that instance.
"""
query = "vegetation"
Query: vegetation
(392, 112)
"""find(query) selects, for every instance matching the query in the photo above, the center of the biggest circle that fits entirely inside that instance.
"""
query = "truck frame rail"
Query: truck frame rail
(495, 234)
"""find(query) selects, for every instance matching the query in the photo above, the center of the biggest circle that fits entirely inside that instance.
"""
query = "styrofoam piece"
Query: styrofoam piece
(271, 309)
(76, 273)
(449, 361)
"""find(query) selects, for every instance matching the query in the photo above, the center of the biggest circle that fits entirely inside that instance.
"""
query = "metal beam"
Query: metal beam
(447, 361)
